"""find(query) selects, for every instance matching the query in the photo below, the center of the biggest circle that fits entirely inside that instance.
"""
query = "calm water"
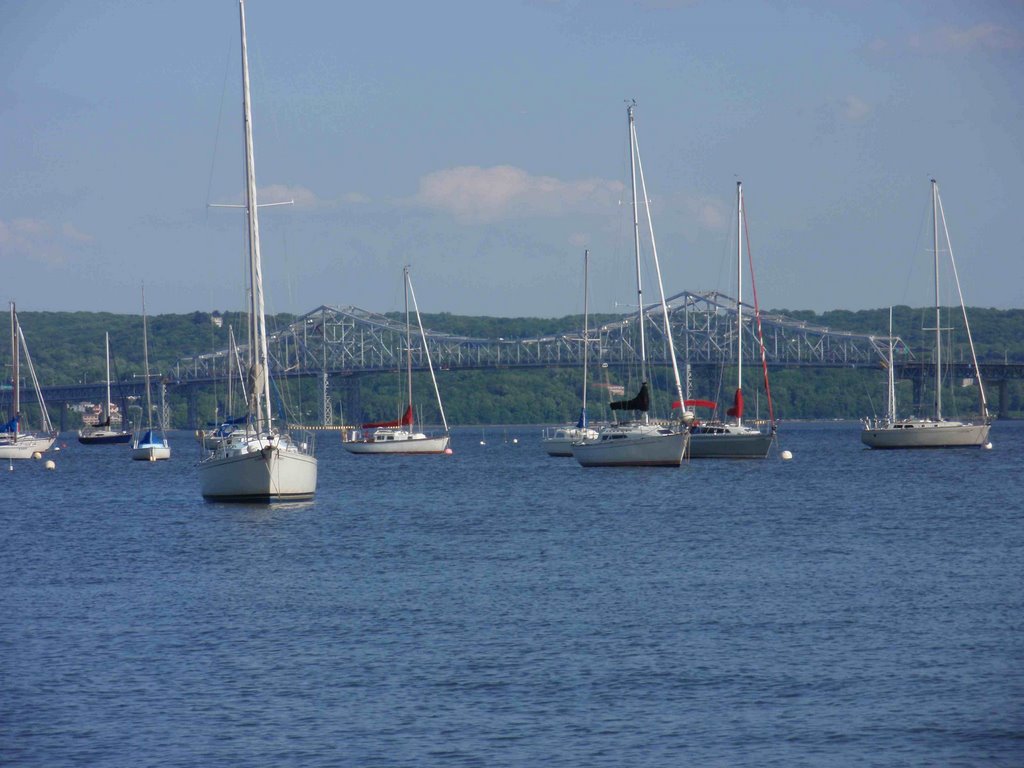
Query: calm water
(502, 608)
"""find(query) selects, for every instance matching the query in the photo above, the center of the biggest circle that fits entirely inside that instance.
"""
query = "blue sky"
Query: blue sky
(485, 144)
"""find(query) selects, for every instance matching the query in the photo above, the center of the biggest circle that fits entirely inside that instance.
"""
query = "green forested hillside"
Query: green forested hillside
(67, 347)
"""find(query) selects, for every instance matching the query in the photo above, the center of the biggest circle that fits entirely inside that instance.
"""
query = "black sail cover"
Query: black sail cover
(642, 401)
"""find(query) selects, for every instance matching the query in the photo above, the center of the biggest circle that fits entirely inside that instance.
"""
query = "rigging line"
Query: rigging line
(757, 316)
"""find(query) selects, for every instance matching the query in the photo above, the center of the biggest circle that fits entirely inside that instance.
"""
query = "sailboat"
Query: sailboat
(15, 444)
(639, 442)
(257, 461)
(400, 436)
(557, 441)
(731, 438)
(103, 433)
(933, 431)
(148, 445)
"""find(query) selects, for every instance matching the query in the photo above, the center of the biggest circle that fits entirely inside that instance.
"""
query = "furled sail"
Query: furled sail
(642, 401)
(405, 421)
(737, 406)
(583, 422)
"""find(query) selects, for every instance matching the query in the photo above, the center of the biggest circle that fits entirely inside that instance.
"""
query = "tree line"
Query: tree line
(68, 348)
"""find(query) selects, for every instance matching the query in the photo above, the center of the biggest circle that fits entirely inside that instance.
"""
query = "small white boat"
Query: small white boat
(148, 445)
(103, 432)
(15, 444)
(400, 437)
(933, 431)
(557, 441)
(257, 462)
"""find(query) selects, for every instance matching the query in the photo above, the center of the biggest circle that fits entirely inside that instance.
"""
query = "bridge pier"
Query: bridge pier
(1004, 398)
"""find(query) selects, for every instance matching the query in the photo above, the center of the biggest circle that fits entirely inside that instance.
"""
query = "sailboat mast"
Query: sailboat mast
(260, 394)
(15, 369)
(636, 246)
(891, 414)
(106, 407)
(586, 332)
(145, 358)
(739, 292)
(938, 329)
(408, 347)
(426, 349)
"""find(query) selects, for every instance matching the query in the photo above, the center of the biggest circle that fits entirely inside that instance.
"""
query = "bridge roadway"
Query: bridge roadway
(341, 344)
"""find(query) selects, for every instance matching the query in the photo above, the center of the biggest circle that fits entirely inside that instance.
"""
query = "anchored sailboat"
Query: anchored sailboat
(934, 431)
(15, 444)
(103, 433)
(257, 461)
(557, 441)
(731, 438)
(149, 445)
(639, 442)
(400, 436)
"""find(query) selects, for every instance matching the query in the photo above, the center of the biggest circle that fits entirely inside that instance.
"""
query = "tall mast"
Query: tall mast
(739, 291)
(636, 246)
(586, 333)
(657, 273)
(938, 329)
(145, 358)
(15, 369)
(259, 403)
(408, 345)
(426, 349)
(106, 408)
(892, 378)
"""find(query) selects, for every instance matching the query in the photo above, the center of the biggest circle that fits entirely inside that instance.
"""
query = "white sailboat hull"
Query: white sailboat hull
(731, 442)
(25, 446)
(558, 442)
(925, 433)
(638, 445)
(258, 475)
(151, 452)
(415, 444)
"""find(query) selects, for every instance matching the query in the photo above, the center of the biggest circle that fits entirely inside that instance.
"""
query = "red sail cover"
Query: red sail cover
(696, 404)
(737, 407)
(405, 421)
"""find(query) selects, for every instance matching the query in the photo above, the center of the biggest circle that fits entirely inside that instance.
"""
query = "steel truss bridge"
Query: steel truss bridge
(333, 342)
(349, 340)
(339, 344)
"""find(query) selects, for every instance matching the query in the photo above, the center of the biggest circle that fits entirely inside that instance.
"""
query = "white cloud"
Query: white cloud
(985, 36)
(38, 240)
(505, 192)
(708, 213)
(855, 108)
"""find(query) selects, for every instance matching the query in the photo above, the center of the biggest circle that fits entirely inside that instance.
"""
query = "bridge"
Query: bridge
(337, 345)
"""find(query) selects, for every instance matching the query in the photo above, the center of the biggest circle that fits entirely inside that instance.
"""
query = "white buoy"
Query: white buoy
(786, 455)
(987, 446)
(515, 441)
(37, 455)
(49, 464)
